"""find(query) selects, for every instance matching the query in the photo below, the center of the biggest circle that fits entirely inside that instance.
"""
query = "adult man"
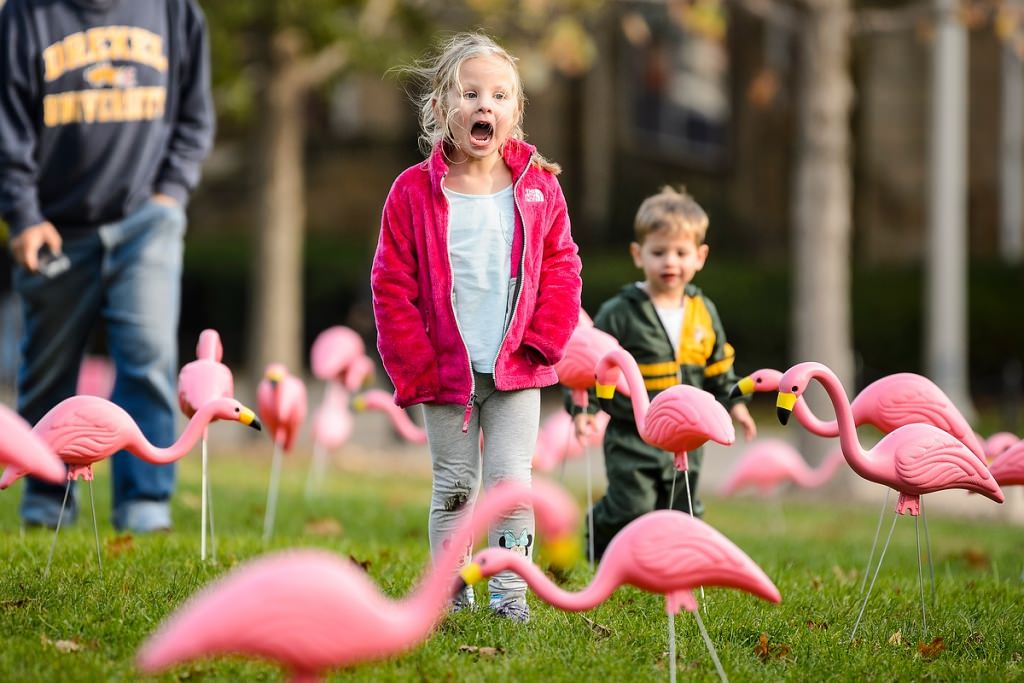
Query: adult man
(105, 118)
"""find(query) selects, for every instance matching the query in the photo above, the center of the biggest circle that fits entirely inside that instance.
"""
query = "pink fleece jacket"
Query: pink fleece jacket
(418, 337)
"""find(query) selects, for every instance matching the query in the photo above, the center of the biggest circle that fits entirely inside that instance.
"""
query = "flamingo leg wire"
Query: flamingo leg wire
(590, 506)
(920, 578)
(96, 529)
(213, 536)
(202, 509)
(881, 557)
(928, 549)
(672, 647)
(316, 469)
(275, 475)
(874, 543)
(711, 647)
(60, 518)
(689, 505)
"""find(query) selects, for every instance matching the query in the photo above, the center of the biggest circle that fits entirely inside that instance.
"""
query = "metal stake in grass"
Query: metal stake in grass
(60, 518)
(95, 529)
(275, 476)
(870, 587)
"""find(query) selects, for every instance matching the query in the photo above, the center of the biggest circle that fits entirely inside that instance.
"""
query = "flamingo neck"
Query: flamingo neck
(638, 391)
(813, 423)
(194, 430)
(823, 472)
(848, 441)
(596, 592)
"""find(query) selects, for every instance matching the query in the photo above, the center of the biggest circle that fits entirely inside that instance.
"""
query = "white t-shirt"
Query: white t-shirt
(671, 319)
(480, 230)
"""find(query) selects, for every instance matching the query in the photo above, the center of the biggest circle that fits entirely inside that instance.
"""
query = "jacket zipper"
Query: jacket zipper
(522, 266)
(451, 302)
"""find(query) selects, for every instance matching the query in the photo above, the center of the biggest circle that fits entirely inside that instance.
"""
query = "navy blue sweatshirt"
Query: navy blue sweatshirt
(102, 104)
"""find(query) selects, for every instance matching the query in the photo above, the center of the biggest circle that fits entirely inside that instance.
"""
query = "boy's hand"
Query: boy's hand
(740, 413)
(585, 424)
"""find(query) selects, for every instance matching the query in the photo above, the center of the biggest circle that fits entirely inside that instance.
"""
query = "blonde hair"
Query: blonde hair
(438, 76)
(672, 210)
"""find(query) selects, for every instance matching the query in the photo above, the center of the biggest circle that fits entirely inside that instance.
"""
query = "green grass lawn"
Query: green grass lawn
(77, 626)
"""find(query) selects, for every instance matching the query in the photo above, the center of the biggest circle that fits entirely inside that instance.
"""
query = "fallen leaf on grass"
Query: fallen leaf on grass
(767, 651)
(600, 630)
(118, 545)
(365, 564)
(816, 583)
(13, 604)
(482, 651)
(930, 651)
(1016, 657)
(327, 526)
(896, 638)
(61, 645)
(817, 625)
(976, 559)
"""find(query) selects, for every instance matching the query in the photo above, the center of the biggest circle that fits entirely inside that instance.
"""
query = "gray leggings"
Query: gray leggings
(509, 421)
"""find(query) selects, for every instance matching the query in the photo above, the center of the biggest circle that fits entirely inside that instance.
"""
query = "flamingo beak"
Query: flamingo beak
(563, 552)
(470, 575)
(247, 417)
(745, 387)
(784, 405)
(605, 390)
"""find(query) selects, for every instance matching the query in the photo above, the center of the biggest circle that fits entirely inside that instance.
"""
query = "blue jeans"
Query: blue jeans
(127, 274)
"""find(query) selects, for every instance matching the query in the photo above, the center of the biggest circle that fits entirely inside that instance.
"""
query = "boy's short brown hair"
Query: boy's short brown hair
(672, 210)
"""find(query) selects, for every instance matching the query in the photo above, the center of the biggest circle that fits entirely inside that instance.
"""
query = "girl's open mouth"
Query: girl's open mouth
(481, 133)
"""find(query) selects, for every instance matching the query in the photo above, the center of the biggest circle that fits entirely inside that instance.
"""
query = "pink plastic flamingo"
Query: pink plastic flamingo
(914, 459)
(998, 443)
(21, 449)
(557, 442)
(378, 399)
(83, 430)
(887, 403)
(312, 611)
(332, 427)
(1008, 467)
(96, 377)
(334, 351)
(679, 419)
(199, 382)
(768, 463)
(586, 347)
(664, 551)
(281, 398)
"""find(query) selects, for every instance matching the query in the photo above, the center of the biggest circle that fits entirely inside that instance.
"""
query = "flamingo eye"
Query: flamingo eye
(236, 410)
(795, 388)
(758, 380)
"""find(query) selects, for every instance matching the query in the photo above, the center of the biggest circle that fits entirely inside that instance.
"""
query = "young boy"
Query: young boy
(674, 333)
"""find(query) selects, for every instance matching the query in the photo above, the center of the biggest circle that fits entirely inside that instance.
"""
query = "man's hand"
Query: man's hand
(164, 199)
(26, 245)
(585, 424)
(740, 413)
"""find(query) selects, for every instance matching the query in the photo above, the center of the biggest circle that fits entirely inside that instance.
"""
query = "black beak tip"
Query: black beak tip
(783, 415)
(257, 425)
(735, 393)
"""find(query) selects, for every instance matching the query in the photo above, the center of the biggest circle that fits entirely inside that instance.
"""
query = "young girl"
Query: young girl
(476, 288)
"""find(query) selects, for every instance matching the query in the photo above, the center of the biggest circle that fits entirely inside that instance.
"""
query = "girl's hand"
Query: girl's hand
(740, 413)
(585, 424)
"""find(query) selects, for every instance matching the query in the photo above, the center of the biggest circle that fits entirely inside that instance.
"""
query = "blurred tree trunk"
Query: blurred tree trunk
(822, 203)
(276, 304)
